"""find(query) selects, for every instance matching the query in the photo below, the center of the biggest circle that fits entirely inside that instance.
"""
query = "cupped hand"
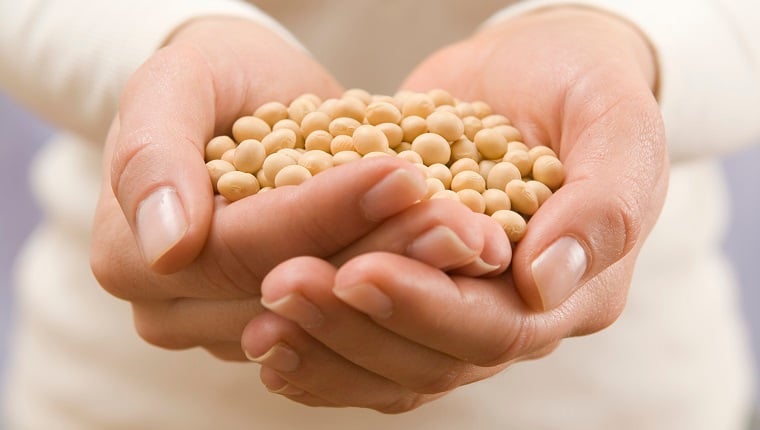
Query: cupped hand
(389, 332)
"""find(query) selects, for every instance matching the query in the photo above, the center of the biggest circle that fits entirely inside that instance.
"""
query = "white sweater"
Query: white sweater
(676, 359)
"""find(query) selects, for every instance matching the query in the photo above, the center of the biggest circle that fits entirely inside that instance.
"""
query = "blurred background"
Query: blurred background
(22, 135)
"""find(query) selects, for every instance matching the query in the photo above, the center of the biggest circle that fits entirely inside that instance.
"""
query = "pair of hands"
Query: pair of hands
(347, 291)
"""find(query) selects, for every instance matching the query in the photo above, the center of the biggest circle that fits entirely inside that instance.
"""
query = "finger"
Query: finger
(442, 233)
(477, 320)
(187, 323)
(170, 108)
(318, 217)
(306, 364)
(301, 291)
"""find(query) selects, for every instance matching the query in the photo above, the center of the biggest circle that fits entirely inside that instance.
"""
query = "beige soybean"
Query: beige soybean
(349, 107)
(271, 112)
(291, 175)
(217, 146)
(418, 104)
(295, 154)
(413, 126)
(229, 156)
(345, 157)
(484, 167)
(381, 112)
(342, 142)
(359, 93)
(441, 97)
(299, 108)
(264, 181)
(217, 168)
(468, 179)
(464, 148)
(434, 185)
(446, 108)
(481, 109)
(540, 150)
(495, 200)
(446, 194)
(464, 164)
(314, 121)
(432, 148)
(472, 199)
(318, 140)
(424, 170)
(521, 160)
(249, 156)
(441, 172)
(274, 163)
(490, 143)
(343, 126)
(494, 120)
(313, 98)
(316, 161)
(540, 189)
(548, 169)
(367, 138)
(509, 132)
(472, 125)
(501, 174)
(514, 224)
(376, 154)
(410, 156)
(279, 139)
(522, 198)
(393, 133)
(465, 109)
(516, 145)
(288, 123)
(249, 127)
(236, 185)
(446, 124)
(403, 146)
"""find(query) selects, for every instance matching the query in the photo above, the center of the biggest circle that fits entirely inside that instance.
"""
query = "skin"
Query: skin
(584, 86)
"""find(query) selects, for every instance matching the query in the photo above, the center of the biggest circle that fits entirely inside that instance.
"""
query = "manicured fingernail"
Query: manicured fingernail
(161, 223)
(440, 247)
(558, 271)
(280, 357)
(368, 299)
(297, 308)
(392, 194)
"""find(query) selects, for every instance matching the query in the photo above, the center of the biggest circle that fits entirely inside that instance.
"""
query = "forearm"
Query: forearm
(68, 60)
(708, 75)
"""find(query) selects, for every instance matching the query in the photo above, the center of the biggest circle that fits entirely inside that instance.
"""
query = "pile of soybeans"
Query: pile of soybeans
(467, 152)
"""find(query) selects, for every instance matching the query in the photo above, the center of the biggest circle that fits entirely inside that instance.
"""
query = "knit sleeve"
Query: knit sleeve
(67, 60)
(709, 67)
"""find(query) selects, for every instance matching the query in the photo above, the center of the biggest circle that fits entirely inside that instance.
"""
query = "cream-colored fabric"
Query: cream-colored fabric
(676, 359)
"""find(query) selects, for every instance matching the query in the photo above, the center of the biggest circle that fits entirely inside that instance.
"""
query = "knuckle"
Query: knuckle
(511, 345)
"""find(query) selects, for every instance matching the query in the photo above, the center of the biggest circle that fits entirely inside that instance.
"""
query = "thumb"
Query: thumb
(616, 181)
(157, 169)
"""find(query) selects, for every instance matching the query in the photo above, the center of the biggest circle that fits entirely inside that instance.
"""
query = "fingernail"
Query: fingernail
(276, 384)
(368, 299)
(440, 247)
(280, 357)
(479, 267)
(161, 223)
(558, 271)
(297, 308)
(395, 192)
